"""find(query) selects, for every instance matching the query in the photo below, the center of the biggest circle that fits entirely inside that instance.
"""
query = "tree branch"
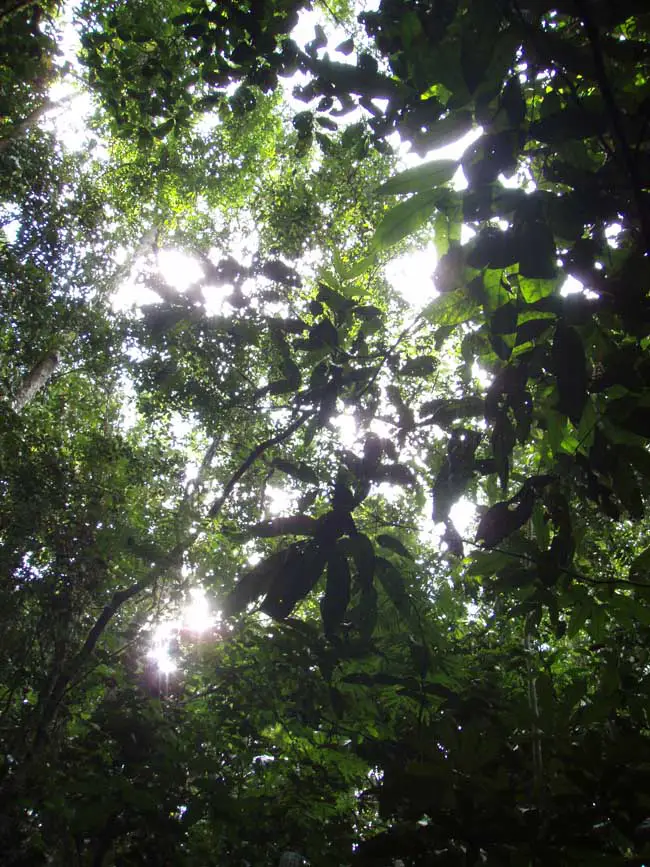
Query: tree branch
(20, 128)
(35, 380)
(526, 558)
(616, 119)
(257, 452)
(70, 671)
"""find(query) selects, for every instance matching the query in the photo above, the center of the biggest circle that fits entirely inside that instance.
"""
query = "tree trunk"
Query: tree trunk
(20, 128)
(35, 380)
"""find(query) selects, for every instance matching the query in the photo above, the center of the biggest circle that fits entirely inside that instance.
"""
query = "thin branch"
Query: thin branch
(76, 665)
(13, 8)
(526, 558)
(257, 452)
(602, 77)
(11, 133)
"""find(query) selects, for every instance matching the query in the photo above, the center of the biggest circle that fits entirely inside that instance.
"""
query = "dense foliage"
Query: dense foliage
(422, 520)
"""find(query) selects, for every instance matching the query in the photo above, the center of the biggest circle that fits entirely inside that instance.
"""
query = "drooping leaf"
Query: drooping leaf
(394, 544)
(360, 548)
(419, 179)
(392, 580)
(292, 582)
(570, 368)
(256, 581)
(364, 614)
(335, 600)
(405, 218)
(301, 471)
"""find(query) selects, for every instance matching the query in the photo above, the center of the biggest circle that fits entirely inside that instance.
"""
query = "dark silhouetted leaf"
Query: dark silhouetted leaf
(394, 544)
(360, 548)
(301, 471)
(392, 580)
(335, 601)
(346, 47)
(570, 369)
(292, 582)
(424, 365)
(502, 519)
(256, 581)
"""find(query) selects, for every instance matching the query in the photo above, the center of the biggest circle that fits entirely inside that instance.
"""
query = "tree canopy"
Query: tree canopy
(411, 525)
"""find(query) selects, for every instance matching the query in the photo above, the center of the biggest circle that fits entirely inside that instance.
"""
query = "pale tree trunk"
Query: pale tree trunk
(44, 369)
(36, 379)
(20, 128)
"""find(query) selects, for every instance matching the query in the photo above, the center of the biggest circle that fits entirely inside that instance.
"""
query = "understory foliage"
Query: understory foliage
(280, 424)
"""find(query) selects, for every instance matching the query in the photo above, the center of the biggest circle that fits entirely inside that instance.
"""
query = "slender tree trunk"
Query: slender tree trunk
(10, 7)
(35, 380)
(20, 128)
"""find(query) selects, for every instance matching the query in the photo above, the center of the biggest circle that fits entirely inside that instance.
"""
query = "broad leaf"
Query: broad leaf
(335, 600)
(405, 219)
(420, 178)
(394, 544)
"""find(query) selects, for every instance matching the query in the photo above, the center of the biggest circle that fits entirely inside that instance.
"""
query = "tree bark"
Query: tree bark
(20, 128)
(35, 380)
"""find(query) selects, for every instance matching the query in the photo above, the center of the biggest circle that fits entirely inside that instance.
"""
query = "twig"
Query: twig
(615, 115)
(257, 452)
(526, 558)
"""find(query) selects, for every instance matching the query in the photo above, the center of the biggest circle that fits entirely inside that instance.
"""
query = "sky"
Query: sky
(410, 274)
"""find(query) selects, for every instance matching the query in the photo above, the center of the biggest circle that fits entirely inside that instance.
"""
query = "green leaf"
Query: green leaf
(420, 178)
(292, 583)
(394, 544)
(360, 548)
(534, 289)
(423, 365)
(405, 219)
(570, 368)
(301, 471)
(335, 600)
(452, 308)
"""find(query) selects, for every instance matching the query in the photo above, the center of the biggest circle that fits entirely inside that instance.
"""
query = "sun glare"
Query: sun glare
(197, 616)
(412, 275)
(195, 619)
